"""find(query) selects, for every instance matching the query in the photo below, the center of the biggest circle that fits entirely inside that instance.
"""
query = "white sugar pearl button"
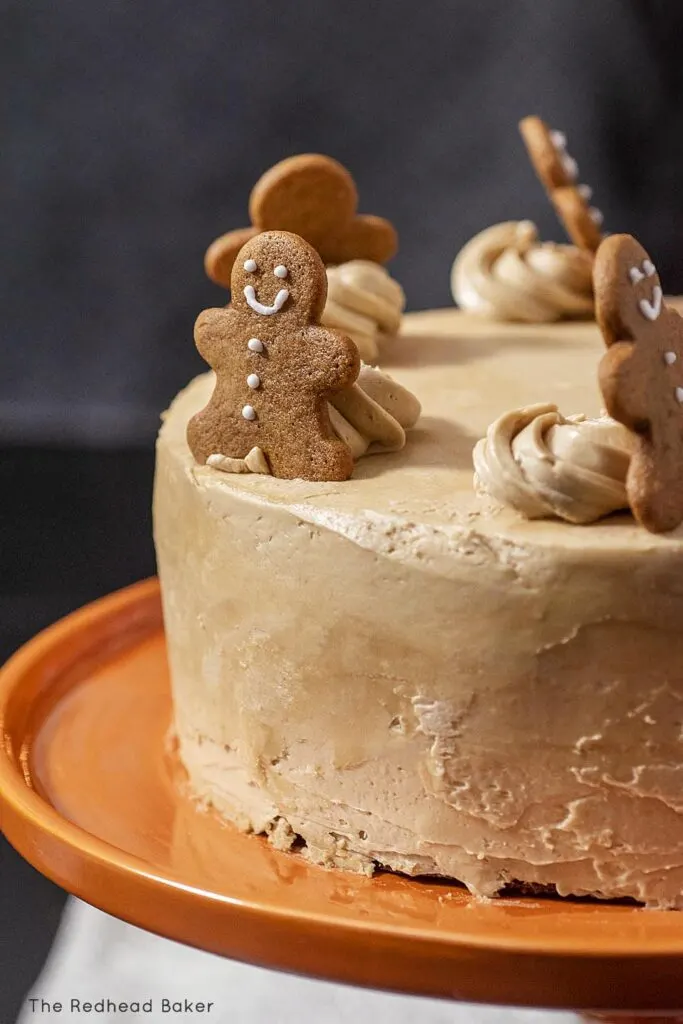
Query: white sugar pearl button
(571, 168)
(253, 380)
(250, 266)
(679, 395)
(281, 271)
(249, 412)
(669, 358)
(255, 345)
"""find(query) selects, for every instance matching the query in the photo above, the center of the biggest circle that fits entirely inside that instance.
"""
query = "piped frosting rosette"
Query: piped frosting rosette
(371, 417)
(365, 303)
(545, 465)
(374, 414)
(505, 273)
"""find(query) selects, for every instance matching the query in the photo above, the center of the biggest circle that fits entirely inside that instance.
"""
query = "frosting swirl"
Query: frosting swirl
(374, 413)
(371, 416)
(505, 273)
(545, 465)
(365, 303)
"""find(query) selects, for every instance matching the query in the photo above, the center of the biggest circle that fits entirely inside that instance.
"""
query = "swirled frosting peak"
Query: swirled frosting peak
(545, 465)
(505, 273)
(365, 303)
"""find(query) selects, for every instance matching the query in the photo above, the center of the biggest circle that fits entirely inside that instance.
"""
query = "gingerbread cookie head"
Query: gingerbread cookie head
(559, 175)
(315, 197)
(641, 376)
(310, 195)
(628, 290)
(280, 275)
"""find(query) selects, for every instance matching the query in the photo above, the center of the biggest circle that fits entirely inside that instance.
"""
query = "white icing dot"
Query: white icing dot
(281, 271)
(250, 266)
(586, 192)
(249, 412)
(570, 166)
(596, 215)
(679, 395)
(669, 358)
(253, 380)
(255, 345)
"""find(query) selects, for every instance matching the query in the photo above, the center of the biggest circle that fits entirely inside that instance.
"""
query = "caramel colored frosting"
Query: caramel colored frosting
(365, 303)
(505, 273)
(374, 414)
(405, 676)
(543, 465)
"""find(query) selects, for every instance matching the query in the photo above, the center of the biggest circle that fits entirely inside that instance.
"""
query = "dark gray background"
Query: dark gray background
(134, 131)
(130, 136)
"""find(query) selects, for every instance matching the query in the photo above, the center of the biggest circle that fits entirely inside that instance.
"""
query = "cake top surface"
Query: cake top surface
(466, 372)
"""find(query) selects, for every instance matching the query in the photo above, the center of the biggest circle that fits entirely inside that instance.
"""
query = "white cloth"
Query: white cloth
(99, 957)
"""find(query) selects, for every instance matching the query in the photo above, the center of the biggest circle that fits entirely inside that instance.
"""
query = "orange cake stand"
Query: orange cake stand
(92, 796)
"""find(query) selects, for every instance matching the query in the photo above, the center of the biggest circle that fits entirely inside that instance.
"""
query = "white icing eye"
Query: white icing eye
(669, 358)
(636, 275)
(250, 266)
(281, 271)
(649, 267)
(558, 139)
(249, 412)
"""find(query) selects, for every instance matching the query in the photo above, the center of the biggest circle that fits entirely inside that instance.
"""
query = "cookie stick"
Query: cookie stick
(558, 172)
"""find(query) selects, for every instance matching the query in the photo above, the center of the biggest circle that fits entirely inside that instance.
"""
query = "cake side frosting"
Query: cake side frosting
(403, 674)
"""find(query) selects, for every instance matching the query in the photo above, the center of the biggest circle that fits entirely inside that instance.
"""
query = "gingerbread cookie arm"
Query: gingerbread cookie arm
(625, 399)
(220, 256)
(366, 238)
(338, 364)
(212, 328)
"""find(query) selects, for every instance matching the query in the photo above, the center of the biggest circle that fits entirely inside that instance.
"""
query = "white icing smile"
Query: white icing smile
(258, 307)
(650, 308)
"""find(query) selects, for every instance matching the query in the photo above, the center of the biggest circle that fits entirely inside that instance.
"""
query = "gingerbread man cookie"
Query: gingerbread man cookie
(315, 197)
(641, 376)
(276, 368)
(559, 175)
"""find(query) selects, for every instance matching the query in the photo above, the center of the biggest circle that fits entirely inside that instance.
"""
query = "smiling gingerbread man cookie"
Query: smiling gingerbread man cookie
(276, 367)
(315, 197)
(641, 376)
